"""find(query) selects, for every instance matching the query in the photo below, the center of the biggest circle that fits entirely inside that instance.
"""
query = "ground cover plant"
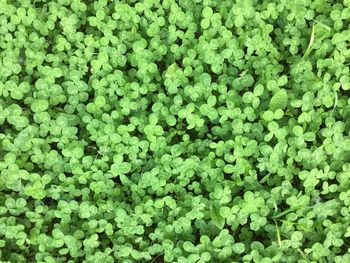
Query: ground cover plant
(174, 131)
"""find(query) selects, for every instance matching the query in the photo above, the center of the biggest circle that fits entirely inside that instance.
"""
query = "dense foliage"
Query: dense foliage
(174, 131)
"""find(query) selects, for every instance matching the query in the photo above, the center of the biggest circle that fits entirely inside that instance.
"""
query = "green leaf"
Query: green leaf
(238, 248)
(216, 218)
(279, 100)
(100, 101)
(39, 105)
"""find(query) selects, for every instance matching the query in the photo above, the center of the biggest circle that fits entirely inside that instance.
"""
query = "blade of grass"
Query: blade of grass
(294, 208)
(155, 258)
(265, 178)
(303, 254)
(229, 16)
(322, 24)
(312, 38)
(335, 100)
(287, 211)
(278, 235)
(275, 206)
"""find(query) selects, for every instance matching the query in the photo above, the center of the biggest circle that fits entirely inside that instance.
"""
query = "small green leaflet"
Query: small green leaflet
(279, 100)
(217, 220)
